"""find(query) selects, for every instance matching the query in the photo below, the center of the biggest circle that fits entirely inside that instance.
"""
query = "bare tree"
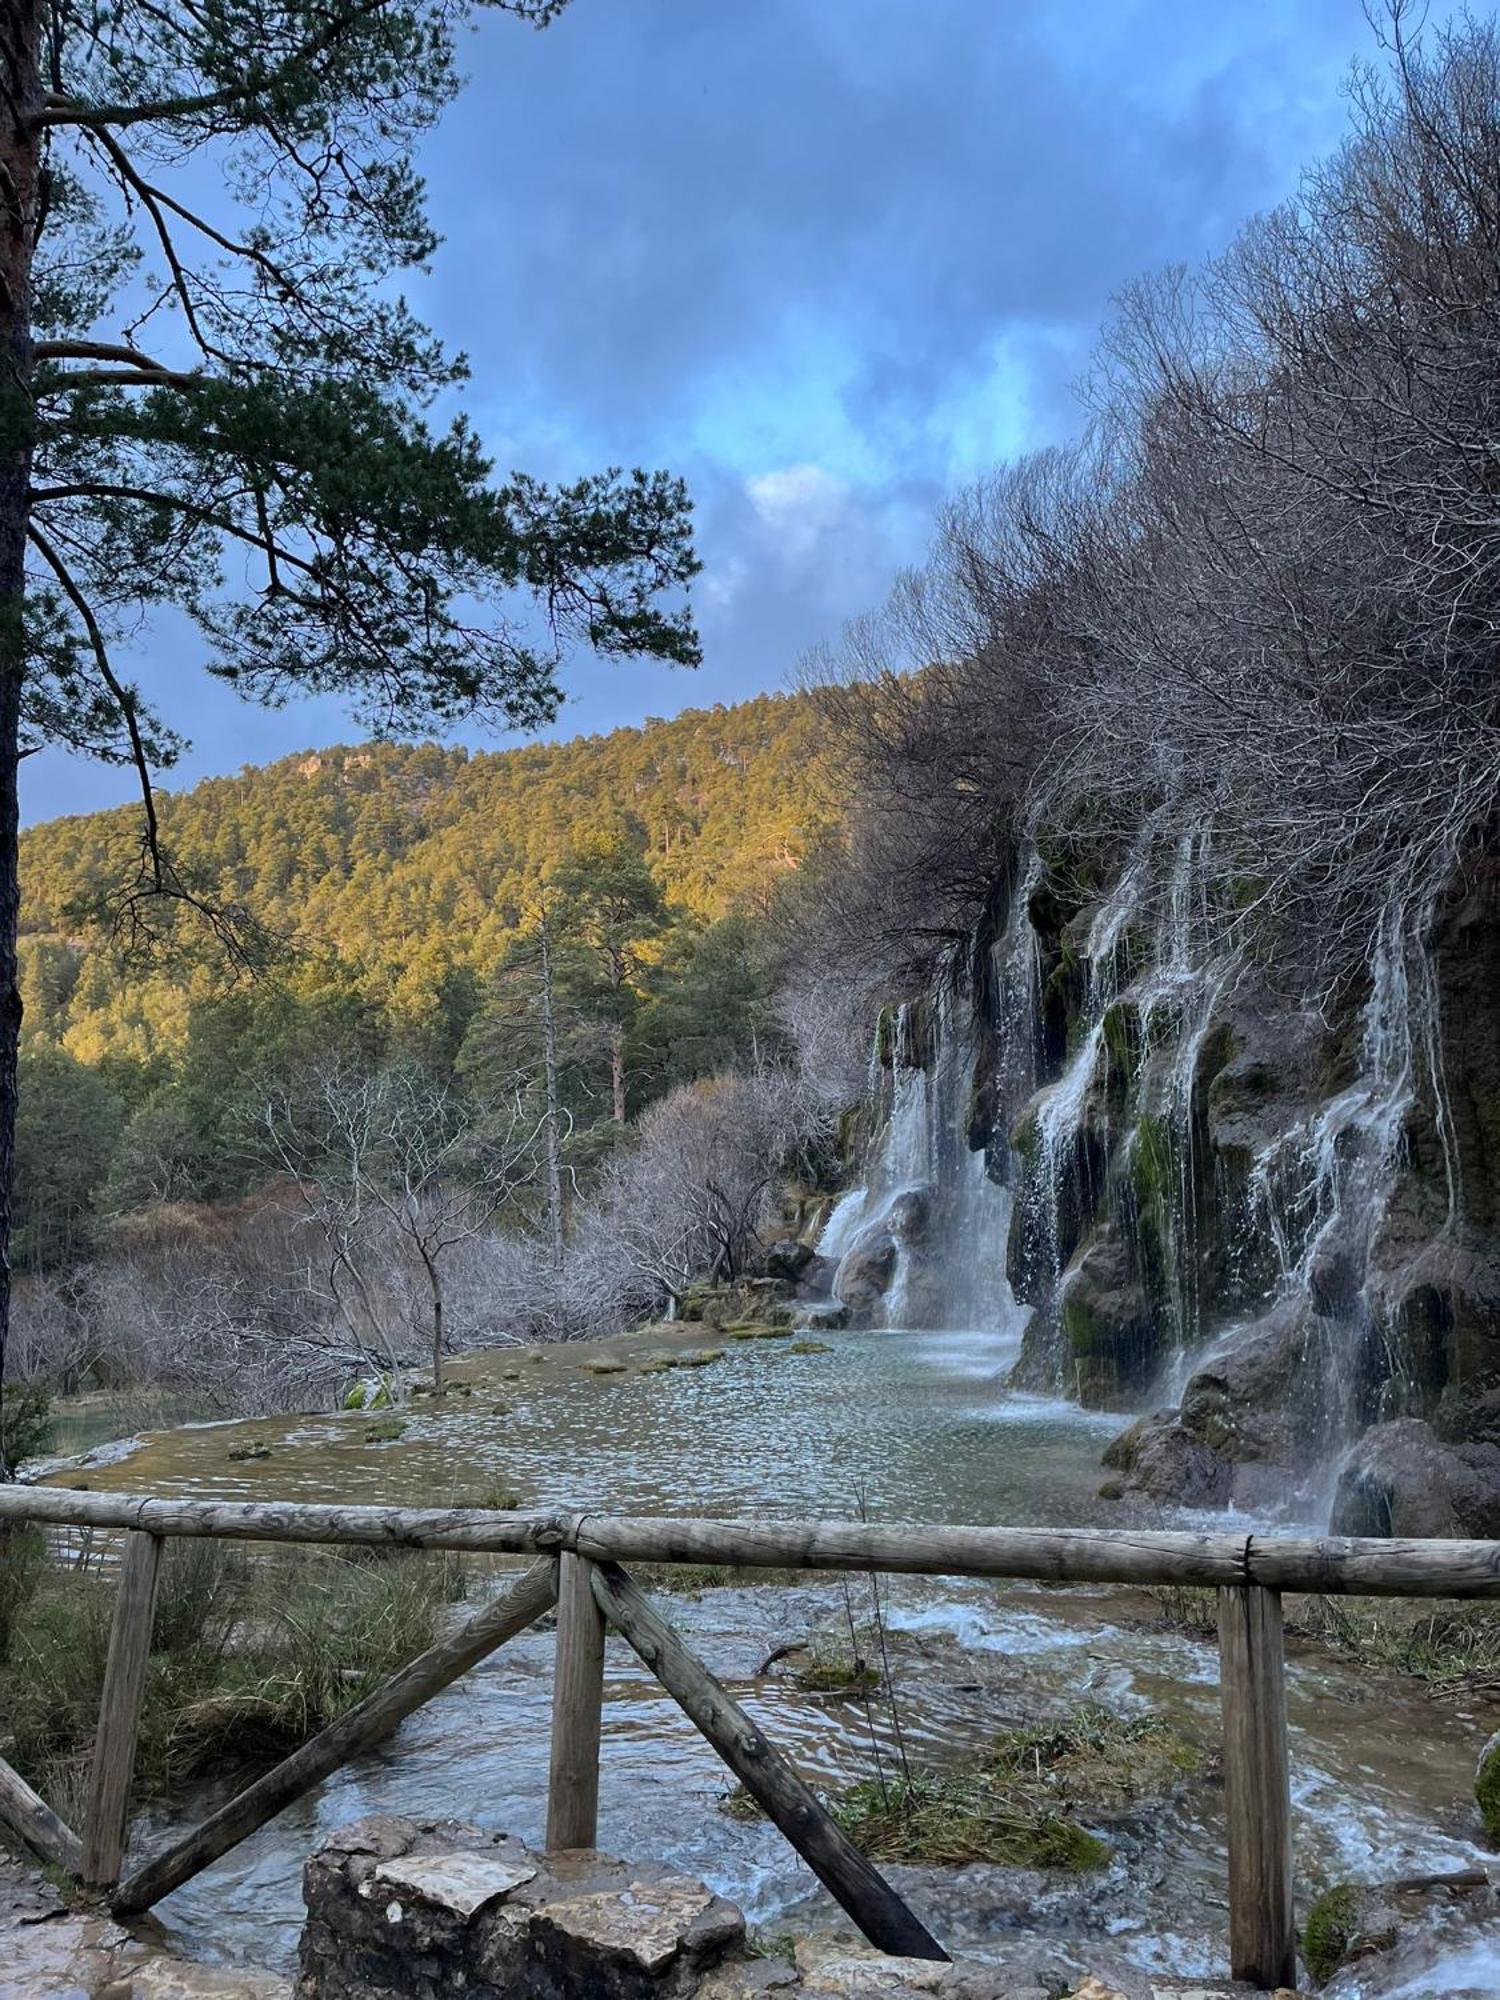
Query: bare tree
(392, 1155)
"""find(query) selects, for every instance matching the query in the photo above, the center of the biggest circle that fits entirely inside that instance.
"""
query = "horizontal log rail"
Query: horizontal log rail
(577, 1566)
(1329, 1565)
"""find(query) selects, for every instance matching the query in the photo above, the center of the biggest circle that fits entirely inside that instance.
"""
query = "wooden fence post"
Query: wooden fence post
(577, 1709)
(369, 1722)
(793, 1806)
(1257, 1787)
(120, 1710)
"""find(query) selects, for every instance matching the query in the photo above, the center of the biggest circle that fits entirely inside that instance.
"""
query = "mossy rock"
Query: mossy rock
(835, 1672)
(240, 1452)
(604, 1364)
(1026, 1137)
(1487, 1789)
(368, 1395)
(386, 1432)
(1121, 1027)
(809, 1347)
(755, 1329)
(1331, 1928)
(700, 1357)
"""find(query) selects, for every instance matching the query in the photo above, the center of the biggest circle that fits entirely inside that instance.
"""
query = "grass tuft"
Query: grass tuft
(249, 1657)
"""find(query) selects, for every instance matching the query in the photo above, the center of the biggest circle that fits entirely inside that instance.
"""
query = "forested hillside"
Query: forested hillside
(392, 867)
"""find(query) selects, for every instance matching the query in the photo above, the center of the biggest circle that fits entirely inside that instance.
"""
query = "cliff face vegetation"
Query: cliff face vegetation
(1181, 856)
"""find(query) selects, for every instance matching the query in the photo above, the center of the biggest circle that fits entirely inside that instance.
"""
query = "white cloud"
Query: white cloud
(799, 504)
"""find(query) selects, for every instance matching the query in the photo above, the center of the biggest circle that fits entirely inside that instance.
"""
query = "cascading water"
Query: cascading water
(1053, 1143)
(929, 1218)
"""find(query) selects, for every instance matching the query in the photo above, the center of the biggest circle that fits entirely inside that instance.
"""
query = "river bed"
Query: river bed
(897, 1426)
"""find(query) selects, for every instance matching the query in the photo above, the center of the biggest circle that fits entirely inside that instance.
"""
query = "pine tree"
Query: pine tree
(194, 387)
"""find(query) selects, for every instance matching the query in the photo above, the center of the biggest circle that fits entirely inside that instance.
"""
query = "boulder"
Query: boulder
(908, 1216)
(397, 1906)
(1401, 1479)
(788, 1259)
(865, 1274)
(816, 1278)
(1164, 1462)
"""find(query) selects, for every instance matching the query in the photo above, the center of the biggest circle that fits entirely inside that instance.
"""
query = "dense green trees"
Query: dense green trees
(407, 871)
(414, 886)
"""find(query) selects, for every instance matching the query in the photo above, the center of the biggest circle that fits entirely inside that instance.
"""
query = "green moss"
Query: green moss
(1121, 1027)
(240, 1452)
(1487, 1792)
(385, 1432)
(1026, 1138)
(604, 1364)
(700, 1357)
(809, 1347)
(1153, 1161)
(1330, 1929)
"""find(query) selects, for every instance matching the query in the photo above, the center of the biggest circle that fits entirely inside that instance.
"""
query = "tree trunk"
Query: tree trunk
(554, 1133)
(20, 98)
(617, 1072)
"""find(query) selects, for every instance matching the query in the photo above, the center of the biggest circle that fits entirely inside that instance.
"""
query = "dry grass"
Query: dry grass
(249, 1657)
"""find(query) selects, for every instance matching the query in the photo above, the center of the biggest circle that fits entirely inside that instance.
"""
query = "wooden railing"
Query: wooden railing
(578, 1569)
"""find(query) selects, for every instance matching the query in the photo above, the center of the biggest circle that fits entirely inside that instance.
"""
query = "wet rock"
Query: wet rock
(1405, 1939)
(788, 1259)
(815, 1281)
(825, 1314)
(909, 1216)
(834, 1969)
(49, 1952)
(1111, 1325)
(398, 1906)
(1164, 1462)
(1401, 1479)
(1258, 1394)
(865, 1275)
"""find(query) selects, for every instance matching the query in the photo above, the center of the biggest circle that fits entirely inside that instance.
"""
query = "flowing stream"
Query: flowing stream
(901, 1426)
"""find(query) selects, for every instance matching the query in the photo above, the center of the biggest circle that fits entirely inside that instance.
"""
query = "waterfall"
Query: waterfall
(929, 1205)
(1096, 1128)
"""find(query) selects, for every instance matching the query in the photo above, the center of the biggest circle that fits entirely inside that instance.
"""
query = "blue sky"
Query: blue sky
(828, 258)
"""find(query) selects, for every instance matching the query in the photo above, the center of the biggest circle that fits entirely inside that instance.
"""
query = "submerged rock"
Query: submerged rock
(1401, 1479)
